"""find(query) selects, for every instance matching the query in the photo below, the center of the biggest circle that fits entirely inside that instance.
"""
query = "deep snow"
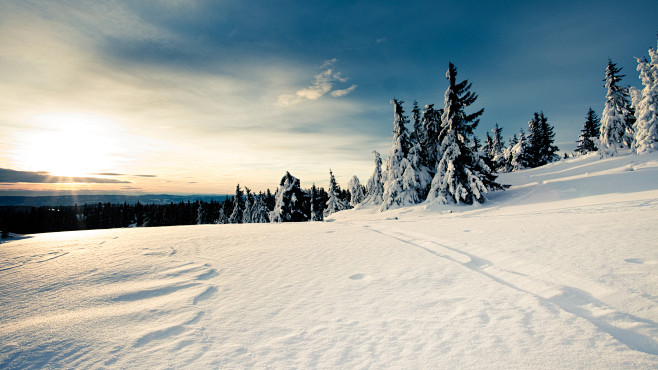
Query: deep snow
(560, 271)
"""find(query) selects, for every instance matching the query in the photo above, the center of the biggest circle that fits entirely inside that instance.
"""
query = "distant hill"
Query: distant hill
(69, 200)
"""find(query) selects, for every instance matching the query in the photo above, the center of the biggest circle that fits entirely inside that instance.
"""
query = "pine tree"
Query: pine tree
(238, 207)
(618, 116)
(461, 176)
(200, 214)
(518, 153)
(248, 206)
(292, 204)
(406, 180)
(589, 133)
(431, 122)
(375, 185)
(356, 191)
(646, 126)
(260, 213)
(222, 217)
(540, 138)
(334, 203)
(497, 153)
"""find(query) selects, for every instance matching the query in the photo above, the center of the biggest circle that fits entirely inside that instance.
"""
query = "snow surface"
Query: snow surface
(560, 271)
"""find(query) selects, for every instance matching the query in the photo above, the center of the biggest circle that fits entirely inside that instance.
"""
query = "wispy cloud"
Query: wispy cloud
(12, 176)
(322, 84)
(343, 92)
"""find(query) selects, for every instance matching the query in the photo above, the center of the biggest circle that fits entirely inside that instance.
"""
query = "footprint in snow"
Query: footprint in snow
(640, 261)
(357, 277)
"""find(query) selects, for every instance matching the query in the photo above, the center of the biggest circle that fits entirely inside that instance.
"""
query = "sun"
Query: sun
(71, 144)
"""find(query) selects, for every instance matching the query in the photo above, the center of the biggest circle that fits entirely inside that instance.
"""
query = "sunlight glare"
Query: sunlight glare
(71, 144)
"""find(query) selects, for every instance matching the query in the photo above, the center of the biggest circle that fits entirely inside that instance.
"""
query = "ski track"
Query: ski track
(624, 327)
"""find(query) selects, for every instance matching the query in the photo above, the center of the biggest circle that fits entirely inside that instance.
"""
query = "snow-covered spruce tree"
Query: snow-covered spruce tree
(618, 117)
(248, 206)
(200, 213)
(589, 134)
(406, 178)
(260, 213)
(238, 207)
(334, 203)
(646, 126)
(518, 152)
(356, 191)
(540, 138)
(429, 144)
(497, 153)
(292, 204)
(375, 184)
(461, 176)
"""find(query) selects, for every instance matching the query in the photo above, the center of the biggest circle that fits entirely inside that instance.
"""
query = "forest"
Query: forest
(435, 157)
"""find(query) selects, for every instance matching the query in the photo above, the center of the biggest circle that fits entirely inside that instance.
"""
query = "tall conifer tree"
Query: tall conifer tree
(618, 116)
(461, 176)
(646, 127)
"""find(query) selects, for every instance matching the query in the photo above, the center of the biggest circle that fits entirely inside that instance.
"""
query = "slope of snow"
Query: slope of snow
(560, 271)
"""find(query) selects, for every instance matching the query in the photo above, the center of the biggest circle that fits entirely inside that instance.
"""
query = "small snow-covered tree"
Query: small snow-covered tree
(618, 117)
(238, 207)
(334, 203)
(540, 138)
(356, 191)
(461, 176)
(260, 212)
(589, 133)
(248, 206)
(646, 105)
(518, 153)
(291, 202)
(375, 185)
(497, 149)
(200, 214)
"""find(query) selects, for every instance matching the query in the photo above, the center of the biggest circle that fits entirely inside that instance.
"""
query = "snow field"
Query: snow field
(560, 271)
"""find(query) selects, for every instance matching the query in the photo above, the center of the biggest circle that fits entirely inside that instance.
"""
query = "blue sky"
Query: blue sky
(196, 96)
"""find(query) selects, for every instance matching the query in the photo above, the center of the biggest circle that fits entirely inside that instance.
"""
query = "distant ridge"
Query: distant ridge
(69, 200)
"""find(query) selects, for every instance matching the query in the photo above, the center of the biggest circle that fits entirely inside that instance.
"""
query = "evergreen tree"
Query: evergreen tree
(540, 138)
(646, 126)
(497, 151)
(292, 204)
(406, 179)
(356, 191)
(222, 216)
(589, 133)
(429, 144)
(375, 185)
(618, 116)
(238, 207)
(334, 203)
(461, 176)
(248, 206)
(200, 214)
(519, 153)
(260, 213)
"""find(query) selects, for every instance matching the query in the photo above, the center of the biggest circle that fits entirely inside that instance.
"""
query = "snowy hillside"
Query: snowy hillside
(560, 271)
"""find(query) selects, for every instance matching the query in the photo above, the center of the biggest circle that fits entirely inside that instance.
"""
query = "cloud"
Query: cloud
(12, 176)
(322, 84)
(343, 92)
(146, 175)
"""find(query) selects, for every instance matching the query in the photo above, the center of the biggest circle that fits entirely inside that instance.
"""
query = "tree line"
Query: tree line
(434, 158)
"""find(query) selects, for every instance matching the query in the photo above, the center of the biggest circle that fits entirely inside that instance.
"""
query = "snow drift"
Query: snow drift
(560, 271)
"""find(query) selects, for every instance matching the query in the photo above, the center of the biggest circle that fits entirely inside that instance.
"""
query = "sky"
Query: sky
(192, 97)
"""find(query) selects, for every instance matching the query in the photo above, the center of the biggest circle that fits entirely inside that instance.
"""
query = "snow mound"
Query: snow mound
(559, 271)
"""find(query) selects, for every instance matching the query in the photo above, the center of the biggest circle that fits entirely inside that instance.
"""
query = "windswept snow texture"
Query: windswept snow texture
(560, 271)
